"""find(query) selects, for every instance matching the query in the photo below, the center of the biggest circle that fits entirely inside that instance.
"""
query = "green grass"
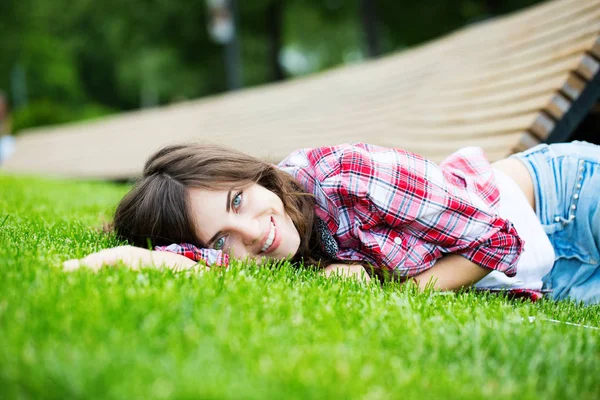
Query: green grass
(254, 333)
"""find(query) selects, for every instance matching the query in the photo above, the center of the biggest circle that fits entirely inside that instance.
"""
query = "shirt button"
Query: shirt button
(397, 240)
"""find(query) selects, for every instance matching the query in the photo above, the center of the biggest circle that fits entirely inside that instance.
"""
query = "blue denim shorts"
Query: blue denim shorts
(567, 197)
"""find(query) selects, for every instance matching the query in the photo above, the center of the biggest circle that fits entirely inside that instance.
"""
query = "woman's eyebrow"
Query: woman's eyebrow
(228, 208)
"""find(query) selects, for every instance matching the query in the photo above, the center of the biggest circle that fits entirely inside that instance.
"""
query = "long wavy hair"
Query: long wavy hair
(156, 212)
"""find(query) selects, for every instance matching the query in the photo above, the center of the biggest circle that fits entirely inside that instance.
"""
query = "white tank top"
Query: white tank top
(537, 258)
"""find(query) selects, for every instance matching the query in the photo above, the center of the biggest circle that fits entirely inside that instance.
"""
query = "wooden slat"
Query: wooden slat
(595, 50)
(385, 100)
(507, 105)
(558, 106)
(516, 75)
(573, 86)
(526, 141)
(390, 106)
(432, 91)
(496, 55)
(539, 56)
(468, 116)
(524, 36)
(589, 67)
(542, 126)
(506, 83)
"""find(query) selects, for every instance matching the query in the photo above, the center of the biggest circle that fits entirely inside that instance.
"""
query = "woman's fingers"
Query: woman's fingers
(97, 260)
(71, 265)
(94, 263)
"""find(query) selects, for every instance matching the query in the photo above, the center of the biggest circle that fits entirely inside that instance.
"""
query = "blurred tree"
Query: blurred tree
(275, 10)
(337, 40)
(370, 22)
(223, 28)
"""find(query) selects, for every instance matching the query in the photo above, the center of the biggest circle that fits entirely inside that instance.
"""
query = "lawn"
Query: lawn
(250, 333)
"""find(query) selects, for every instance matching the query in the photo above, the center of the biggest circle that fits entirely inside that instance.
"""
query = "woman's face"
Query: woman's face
(249, 222)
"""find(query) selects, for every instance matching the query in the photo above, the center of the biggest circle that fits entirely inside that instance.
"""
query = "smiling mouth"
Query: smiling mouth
(270, 238)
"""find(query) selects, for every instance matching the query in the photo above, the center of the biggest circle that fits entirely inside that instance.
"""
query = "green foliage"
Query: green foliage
(338, 40)
(250, 332)
(39, 113)
(58, 79)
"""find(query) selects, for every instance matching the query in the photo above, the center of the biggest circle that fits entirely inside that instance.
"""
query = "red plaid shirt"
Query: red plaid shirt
(399, 211)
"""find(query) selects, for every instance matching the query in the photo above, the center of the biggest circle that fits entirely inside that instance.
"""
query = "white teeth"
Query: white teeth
(269, 241)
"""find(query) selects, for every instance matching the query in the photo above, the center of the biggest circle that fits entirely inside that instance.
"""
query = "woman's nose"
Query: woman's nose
(250, 232)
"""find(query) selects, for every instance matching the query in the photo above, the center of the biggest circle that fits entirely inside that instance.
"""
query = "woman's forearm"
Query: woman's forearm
(171, 260)
(451, 272)
(133, 257)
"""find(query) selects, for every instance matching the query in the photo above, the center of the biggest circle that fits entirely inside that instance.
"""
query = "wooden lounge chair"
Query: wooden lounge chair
(505, 85)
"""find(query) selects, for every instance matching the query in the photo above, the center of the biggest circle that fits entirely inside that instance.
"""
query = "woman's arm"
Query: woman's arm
(451, 272)
(134, 257)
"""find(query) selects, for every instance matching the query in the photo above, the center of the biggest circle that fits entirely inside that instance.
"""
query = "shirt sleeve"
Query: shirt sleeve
(210, 257)
(406, 192)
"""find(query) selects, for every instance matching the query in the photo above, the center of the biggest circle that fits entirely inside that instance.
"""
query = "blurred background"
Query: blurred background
(70, 60)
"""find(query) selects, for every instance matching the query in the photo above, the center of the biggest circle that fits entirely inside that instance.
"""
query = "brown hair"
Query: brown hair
(156, 211)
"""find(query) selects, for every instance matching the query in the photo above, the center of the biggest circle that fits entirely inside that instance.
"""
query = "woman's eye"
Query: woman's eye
(237, 201)
(219, 243)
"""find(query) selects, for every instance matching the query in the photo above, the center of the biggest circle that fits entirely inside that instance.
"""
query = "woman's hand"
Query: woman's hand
(133, 257)
(348, 270)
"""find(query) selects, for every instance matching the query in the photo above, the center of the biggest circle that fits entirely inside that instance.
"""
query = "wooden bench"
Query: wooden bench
(504, 84)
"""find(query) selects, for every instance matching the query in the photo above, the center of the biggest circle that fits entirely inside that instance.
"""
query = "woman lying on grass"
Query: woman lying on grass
(530, 221)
